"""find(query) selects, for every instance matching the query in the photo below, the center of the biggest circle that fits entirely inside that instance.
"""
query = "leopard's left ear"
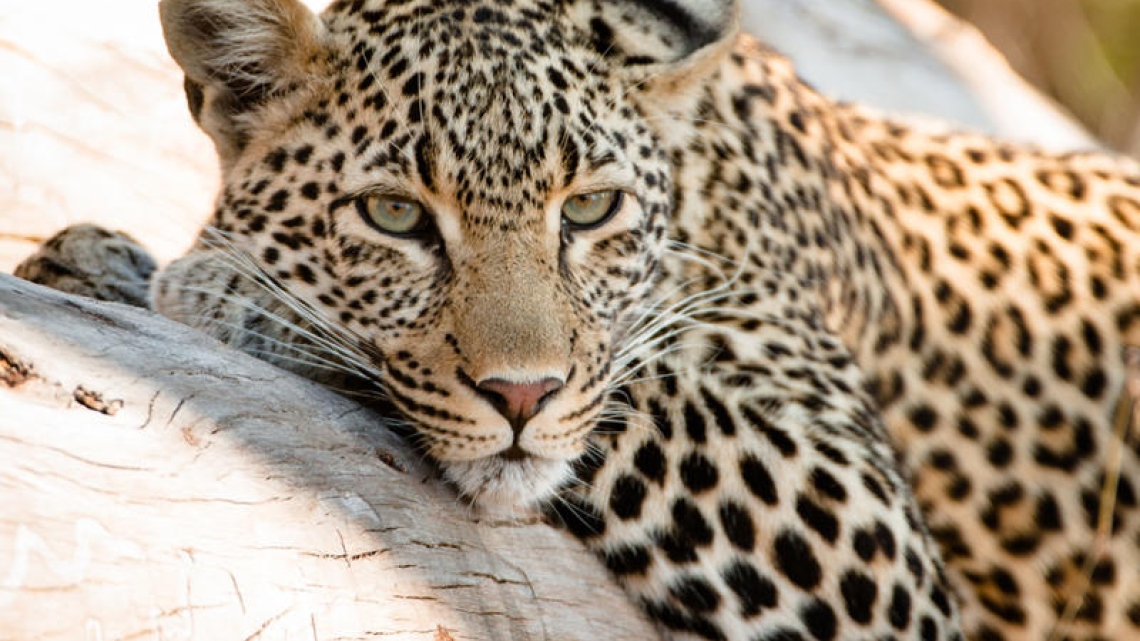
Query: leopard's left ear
(238, 55)
(665, 42)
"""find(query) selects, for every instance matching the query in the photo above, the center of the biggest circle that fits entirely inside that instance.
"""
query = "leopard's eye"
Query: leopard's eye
(392, 214)
(589, 210)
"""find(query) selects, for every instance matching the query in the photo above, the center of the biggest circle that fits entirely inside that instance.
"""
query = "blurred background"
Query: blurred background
(1083, 53)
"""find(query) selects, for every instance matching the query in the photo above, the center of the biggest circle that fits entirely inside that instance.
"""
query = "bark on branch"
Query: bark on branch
(157, 485)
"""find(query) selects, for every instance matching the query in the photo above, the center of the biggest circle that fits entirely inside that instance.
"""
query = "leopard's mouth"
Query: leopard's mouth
(514, 453)
(500, 464)
(508, 484)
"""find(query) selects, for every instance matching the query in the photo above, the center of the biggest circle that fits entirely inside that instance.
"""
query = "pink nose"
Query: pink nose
(518, 402)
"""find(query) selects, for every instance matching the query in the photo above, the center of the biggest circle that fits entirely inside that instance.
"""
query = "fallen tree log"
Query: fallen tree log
(158, 485)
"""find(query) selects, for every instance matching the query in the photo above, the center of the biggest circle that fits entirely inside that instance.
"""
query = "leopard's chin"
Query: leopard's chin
(510, 487)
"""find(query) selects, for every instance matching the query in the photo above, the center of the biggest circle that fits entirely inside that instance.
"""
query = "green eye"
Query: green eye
(589, 210)
(391, 214)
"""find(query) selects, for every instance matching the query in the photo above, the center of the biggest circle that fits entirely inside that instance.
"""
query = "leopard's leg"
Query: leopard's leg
(94, 262)
(210, 289)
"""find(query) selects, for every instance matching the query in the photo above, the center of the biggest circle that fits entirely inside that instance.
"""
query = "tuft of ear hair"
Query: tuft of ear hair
(236, 54)
(658, 34)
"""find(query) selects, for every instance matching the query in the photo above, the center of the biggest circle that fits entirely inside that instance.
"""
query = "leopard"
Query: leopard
(792, 369)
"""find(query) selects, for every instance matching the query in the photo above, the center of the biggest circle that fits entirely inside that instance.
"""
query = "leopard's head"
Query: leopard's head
(477, 192)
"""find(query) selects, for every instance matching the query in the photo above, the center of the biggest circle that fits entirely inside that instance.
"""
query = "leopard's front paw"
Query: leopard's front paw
(92, 261)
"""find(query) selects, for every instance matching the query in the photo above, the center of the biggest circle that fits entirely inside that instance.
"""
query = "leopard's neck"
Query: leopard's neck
(807, 197)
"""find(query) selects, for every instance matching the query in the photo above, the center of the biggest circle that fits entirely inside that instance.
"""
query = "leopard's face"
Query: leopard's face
(483, 220)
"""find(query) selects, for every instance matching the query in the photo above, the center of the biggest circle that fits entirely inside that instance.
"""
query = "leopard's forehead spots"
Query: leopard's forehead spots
(494, 110)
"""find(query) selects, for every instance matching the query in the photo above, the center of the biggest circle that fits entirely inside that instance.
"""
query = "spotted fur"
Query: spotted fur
(822, 376)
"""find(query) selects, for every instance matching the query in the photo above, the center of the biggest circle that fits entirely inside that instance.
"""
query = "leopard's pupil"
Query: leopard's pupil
(397, 210)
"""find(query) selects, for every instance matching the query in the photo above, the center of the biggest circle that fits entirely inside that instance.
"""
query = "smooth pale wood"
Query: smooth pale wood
(226, 499)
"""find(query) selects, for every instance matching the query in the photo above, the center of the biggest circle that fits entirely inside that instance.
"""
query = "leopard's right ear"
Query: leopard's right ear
(237, 54)
(654, 38)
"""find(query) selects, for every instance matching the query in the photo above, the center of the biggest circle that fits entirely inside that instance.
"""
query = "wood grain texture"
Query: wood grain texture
(158, 485)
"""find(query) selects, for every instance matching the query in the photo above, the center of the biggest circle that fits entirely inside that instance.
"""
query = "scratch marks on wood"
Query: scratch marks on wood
(177, 408)
(237, 592)
(150, 410)
(436, 545)
(497, 579)
(367, 554)
(268, 622)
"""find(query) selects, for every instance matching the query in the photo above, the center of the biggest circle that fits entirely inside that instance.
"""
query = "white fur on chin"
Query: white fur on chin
(504, 488)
